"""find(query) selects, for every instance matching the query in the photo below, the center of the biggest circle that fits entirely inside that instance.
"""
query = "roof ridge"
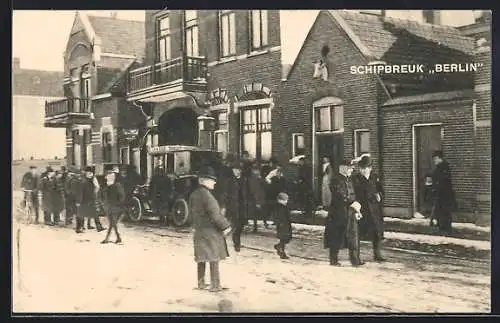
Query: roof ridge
(112, 18)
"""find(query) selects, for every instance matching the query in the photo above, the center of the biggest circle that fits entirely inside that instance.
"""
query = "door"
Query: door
(332, 146)
(428, 139)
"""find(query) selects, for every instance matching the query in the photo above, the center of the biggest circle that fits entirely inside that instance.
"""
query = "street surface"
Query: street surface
(56, 270)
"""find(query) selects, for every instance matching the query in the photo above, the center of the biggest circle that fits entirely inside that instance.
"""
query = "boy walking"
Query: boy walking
(283, 224)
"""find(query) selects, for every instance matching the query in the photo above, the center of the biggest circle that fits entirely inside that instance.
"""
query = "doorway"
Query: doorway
(427, 138)
(332, 146)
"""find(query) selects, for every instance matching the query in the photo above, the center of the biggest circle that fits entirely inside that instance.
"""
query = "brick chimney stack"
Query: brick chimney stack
(16, 63)
(432, 16)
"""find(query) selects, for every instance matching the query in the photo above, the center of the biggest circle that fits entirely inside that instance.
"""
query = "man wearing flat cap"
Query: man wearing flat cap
(210, 228)
(52, 197)
(341, 227)
(369, 193)
(444, 196)
(30, 183)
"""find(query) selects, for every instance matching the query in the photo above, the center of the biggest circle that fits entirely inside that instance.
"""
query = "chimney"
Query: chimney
(114, 14)
(432, 16)
(16, 63)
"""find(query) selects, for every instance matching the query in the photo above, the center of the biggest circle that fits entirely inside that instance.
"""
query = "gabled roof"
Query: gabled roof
(37, 83)
(119, 36)
(374, 35)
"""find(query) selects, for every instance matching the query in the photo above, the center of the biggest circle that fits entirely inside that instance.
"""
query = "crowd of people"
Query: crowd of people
(80, 196)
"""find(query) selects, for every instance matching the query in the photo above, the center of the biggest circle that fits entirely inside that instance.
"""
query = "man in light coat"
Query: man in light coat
(210, 228)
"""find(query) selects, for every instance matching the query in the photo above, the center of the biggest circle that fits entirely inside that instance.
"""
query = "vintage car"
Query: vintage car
(175, 170)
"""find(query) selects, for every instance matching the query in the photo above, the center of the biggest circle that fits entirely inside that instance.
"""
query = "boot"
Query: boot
(201, 276)
(89, 225)
(215, 278)
(377, 253)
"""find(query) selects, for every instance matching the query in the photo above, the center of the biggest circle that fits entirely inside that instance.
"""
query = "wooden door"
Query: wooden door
(427, 140)
(332, 146)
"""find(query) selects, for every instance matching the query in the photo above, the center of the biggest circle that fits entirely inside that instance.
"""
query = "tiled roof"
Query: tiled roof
(110, 71)
(118, 36)
(430, 97)
(380, 33)
(37, 83)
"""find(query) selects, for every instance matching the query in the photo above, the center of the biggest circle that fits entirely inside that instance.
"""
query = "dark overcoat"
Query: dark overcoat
(444, 196)
(283, 223)
(256, 195)
(87, 198)
(208, 224)
(234, 201)
(371, 225)
(113, 198)
(52, 190)
(341, 225)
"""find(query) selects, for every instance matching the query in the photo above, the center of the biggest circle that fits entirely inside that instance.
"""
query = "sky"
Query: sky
(46, 52)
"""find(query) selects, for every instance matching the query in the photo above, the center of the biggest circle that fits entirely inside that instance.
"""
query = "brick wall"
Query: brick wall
(359, 92)
(107, 107)
(458, 147)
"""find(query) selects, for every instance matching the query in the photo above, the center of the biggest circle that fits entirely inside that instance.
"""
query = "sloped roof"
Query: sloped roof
(429, 97)
(37, 83)
(110, 71)
(119, 36)
(380, 33)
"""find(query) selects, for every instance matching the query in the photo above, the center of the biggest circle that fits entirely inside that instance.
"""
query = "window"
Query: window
(221, 136)
(259, 28)
(106, 147)
(75, 149)
(191, 18)
(163, 34)
(298, 144)
(329, 118)
(361, 142)
(227, 34)
(256, 132)
(125, 155)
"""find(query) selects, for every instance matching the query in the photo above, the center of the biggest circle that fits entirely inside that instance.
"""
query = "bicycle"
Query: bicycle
(28, 205)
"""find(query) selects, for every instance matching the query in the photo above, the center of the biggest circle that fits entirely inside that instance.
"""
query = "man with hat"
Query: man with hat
(87, 201)
(444, 196)
(71, 186)
(369, 193)
(52, 197)
(29, 184)
(341, 227)
(210, 228)
(113, 197)
(234, 201)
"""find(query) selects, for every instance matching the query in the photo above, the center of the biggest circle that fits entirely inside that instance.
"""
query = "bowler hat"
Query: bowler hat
(437, 153)
(207, 172)
(365, 162)
(346, 162)
(32, 167)
(49, 169)
(89, 169)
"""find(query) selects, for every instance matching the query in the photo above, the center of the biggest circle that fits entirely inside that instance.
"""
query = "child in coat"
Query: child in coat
(283, 224)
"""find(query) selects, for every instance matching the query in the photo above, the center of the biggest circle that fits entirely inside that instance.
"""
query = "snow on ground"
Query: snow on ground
(425, 222)
(65, 272)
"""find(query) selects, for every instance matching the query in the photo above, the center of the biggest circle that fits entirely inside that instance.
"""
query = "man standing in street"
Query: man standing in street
(341, 228)
(234, 202)
(444, 196)
(52, 197)
(304, 187)
(368, 192)
(71, 187)
(86, 201)
(210, 228)
(30, 183)
(113, 197)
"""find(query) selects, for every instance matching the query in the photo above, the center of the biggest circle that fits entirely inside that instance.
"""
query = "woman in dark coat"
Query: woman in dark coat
(368, 190)
(283, 224)
(210, 228)
(341, 227)
(444, 196)
(87, 201)
(256, 198)
(113, 197)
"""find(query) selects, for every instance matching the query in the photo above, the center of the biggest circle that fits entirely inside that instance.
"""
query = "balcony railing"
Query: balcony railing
(67, 106)
(187, 69)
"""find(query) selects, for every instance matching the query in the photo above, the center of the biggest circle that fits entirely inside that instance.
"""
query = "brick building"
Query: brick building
(398, 118)
(30, 89)
(203, 64)
(101, 125)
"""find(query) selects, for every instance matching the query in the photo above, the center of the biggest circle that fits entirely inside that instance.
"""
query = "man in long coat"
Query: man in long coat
(444, 196)
(341, 227)
(113, 197)
(235, 203)
(256, 197)
(87, 201)
(368, 190)
(210, 228)
(52, 197)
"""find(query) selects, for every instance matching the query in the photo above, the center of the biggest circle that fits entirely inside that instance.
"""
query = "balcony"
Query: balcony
(66, 112)
(155, 83)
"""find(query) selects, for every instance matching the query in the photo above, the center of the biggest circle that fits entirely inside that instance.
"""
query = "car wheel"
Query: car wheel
(180, 212)
(134, 210)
